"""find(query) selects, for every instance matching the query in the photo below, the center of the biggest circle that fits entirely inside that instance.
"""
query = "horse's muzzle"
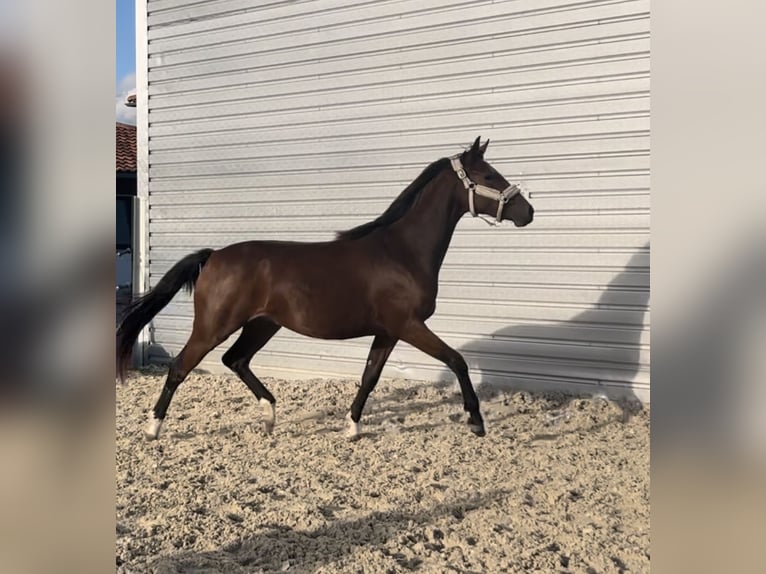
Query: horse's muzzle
(528, 220)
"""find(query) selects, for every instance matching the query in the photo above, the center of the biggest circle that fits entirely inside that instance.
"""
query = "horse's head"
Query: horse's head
(488, 192)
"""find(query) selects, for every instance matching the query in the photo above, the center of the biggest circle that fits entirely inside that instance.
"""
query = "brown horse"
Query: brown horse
(378, 279)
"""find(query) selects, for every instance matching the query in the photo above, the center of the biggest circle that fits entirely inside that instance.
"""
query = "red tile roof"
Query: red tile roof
(126, 147)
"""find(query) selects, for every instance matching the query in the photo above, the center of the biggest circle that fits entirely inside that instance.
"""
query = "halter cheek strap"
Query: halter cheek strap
(502, 197)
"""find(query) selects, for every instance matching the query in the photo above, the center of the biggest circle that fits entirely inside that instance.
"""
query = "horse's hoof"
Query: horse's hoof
(477, 428)
(270, 412)
(353, 429)
(152, 431)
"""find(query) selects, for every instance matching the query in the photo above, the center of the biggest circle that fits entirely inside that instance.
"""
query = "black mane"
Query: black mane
(399, 206)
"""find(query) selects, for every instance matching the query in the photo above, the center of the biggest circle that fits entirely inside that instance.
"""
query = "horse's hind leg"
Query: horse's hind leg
(190, 356)
(379, 353)
(255, 334)
(421, 337)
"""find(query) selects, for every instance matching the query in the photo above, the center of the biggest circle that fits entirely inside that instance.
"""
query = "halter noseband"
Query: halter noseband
(502, 197)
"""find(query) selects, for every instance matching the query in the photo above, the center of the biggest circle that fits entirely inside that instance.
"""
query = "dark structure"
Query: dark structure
(126, 193)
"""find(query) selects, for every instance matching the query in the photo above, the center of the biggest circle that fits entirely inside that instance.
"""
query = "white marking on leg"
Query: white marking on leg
(353, 430)
(152, 431)
(270, 412)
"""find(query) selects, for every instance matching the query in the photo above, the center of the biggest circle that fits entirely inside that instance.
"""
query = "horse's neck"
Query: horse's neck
(427, 228)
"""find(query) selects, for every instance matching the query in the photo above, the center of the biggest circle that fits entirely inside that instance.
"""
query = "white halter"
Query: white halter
(502, 197)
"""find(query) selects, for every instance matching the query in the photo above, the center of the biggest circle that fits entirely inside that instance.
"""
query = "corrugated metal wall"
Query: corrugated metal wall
(345, 102)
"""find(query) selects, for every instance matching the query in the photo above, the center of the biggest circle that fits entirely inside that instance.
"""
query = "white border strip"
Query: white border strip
(141, 240)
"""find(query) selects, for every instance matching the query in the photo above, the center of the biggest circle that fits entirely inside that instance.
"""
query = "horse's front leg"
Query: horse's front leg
(421, 337)
(379, 353)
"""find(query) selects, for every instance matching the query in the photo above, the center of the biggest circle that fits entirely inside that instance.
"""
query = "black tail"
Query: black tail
(142, 310)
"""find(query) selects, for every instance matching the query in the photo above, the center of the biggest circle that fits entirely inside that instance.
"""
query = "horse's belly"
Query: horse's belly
(324, 318)
(324, 326)
(337, 333)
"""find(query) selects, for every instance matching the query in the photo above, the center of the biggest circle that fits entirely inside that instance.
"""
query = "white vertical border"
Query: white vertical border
(141, 256)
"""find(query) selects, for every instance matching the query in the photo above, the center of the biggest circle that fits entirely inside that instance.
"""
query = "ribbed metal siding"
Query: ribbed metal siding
(345, 102)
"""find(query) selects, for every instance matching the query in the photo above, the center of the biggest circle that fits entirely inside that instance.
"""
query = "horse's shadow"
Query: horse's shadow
(603, 367)
(277, 547)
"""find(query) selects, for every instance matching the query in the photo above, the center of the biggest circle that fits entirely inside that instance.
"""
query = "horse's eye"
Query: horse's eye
(490, 177)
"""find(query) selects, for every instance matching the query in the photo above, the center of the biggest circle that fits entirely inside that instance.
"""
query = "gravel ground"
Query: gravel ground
(559, 484)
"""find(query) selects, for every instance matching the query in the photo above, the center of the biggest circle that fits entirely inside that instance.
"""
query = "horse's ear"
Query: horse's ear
(483, 148)
(474, 151)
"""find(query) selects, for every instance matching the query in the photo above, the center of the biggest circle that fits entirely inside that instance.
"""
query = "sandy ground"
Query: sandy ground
(557, 485)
